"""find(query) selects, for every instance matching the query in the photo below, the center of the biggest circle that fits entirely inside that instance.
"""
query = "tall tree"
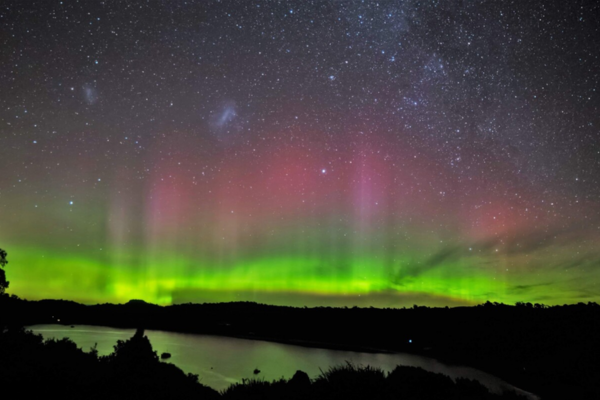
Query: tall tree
(3, 282)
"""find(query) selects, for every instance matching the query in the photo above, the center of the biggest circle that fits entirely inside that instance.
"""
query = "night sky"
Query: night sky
(301, 152)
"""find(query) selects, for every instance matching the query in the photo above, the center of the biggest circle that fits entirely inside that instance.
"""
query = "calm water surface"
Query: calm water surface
(220, 361)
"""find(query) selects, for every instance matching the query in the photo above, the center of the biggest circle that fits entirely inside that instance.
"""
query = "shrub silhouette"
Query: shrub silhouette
(33, 368)
(136, 372)
(136, 351)
(351, 382)
(364, 382)
(258, 389)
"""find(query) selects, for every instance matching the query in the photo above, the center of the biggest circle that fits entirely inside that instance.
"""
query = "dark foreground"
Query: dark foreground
(32, 368)
(553, 352)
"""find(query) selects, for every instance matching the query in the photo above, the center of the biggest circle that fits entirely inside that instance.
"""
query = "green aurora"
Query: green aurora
(321, 277)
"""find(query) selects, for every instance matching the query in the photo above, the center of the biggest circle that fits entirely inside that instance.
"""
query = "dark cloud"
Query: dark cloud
(522, 289)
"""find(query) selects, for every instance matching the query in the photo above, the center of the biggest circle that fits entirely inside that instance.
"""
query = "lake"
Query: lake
(220, 361)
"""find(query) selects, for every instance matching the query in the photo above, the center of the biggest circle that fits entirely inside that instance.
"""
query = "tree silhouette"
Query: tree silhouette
(3, 282)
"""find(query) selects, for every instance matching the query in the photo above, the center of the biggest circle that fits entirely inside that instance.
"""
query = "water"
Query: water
(220, 361)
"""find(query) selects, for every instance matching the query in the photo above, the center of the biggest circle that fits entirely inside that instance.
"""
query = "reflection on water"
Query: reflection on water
(220, 361)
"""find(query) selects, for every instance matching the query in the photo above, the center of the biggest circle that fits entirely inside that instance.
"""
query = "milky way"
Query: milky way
(303, 152)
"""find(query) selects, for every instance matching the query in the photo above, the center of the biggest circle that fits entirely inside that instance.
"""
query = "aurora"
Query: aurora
(299, 153)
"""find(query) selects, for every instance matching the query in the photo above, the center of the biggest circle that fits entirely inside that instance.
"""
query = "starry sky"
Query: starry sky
(301, 152)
